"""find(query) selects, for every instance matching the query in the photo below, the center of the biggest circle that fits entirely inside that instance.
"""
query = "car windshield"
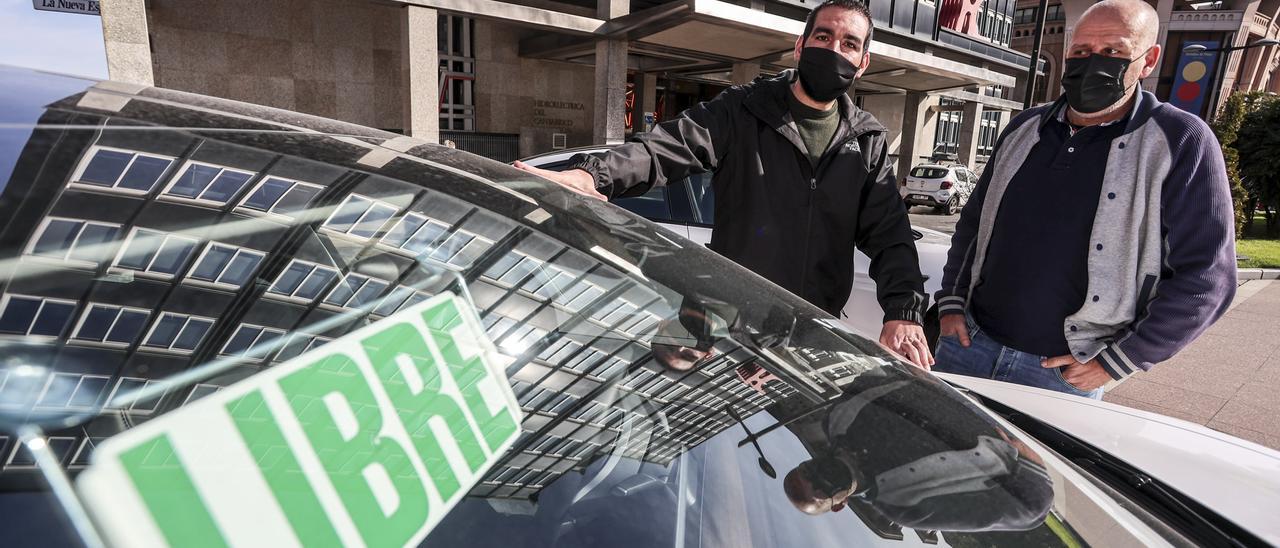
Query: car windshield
(929, 172)
(162, 248)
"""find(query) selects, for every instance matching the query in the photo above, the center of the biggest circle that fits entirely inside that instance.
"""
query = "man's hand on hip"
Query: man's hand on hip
(952, 325)
(907, 338)
(1088, 376)
(576, 180)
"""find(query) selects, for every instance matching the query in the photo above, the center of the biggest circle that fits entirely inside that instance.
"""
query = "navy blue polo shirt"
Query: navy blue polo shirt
(1036, 269)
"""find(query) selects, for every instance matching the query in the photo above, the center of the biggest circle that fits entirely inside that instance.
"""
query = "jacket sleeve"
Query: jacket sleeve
(691, 143)
(1198, 278)
(884, 235)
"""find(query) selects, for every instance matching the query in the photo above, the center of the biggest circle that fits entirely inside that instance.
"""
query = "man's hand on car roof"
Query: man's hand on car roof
(576, 180)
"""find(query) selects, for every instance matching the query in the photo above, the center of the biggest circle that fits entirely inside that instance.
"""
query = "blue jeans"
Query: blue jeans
(988, 359)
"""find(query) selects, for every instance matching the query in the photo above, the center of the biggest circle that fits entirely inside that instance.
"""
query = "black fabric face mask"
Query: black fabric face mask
(1095, 82)
(825, 74)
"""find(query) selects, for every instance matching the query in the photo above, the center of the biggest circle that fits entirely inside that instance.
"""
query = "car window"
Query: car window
(652, 205)
(643, 369)
(929, 172)
(704, 197)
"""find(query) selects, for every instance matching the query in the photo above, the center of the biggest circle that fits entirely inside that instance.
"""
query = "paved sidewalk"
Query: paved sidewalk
(1228, 379)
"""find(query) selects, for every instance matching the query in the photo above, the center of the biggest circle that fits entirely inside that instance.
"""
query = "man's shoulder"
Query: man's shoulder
(1181, 128)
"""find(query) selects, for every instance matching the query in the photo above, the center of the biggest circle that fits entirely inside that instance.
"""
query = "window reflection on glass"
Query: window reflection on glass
(228, 265)
(281, 196)
(156, 252)
(112, 324)
(178, 332)
(26, 315)
(209, 183)
(74, 240)
(123, 170)
(303, 280)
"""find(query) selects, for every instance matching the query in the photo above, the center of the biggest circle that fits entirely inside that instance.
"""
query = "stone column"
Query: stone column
(420, 73)
(646, 98)
(611, 80)
(970, 126)
(124, 33)
(744, 73)
(914, 115)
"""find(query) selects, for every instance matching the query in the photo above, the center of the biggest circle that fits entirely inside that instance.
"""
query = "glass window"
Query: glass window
(303, 280)
(122, 396)
(652, 205)
(355, 290)
(178, 332)
(123, 170)
(25, 315)
(74, 239)
(156, 252)
(360, 217)
(281, 196)
(250, 337)
(704, 198)
(208, 183)
(227, 265)
(929, 172)
(111, 324)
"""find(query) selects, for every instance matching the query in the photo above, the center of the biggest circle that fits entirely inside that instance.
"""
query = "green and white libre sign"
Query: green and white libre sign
(366, 441)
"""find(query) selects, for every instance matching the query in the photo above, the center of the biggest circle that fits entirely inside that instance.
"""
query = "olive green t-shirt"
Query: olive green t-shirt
(816, 127)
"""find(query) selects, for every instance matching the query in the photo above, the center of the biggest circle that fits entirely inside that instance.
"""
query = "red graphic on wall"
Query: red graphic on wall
(961, 16)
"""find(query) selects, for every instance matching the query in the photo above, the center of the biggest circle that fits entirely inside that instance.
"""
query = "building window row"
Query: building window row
(138, 173)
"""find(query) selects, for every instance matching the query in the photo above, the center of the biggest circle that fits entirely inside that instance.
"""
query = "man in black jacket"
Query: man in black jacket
(802, 176)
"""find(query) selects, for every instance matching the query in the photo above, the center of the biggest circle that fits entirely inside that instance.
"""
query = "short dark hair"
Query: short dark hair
(858, 6)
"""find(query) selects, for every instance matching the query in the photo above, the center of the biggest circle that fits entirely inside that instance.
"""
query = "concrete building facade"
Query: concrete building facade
(509, 79)
(1225, 23)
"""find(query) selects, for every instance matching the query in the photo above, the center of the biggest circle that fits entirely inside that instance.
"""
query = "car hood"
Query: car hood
(1237, 478)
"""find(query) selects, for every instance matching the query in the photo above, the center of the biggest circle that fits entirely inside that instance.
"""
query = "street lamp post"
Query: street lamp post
(1222, 65)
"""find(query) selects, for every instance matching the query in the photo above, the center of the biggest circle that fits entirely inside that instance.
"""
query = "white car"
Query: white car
(944, 187)
(687, 208)
(235, 325)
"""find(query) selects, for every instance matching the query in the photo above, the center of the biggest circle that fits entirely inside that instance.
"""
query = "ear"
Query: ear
(1150, 60)
(866, 62)
(799, 46)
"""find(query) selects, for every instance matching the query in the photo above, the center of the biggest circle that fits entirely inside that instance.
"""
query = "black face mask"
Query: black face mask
(825, 74)
(1095, 82)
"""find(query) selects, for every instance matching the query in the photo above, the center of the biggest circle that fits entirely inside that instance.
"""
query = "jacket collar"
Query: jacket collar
(767, 100)
(1144, 104)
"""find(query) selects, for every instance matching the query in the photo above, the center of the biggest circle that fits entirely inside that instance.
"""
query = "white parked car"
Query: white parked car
(225, 324)
(944, 187)
(687, 208)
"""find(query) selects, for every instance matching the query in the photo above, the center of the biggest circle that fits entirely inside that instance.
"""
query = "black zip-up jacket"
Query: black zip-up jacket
(775, 213)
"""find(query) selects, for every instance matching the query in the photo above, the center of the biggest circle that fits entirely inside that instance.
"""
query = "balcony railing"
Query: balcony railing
(1206, 20)
(1263, 26)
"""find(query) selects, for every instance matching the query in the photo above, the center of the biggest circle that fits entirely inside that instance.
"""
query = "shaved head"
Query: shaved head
(1124, 29)
(1136, 16)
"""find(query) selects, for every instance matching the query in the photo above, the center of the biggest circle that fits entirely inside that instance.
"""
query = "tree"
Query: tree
(1226, 127)
(1258, 143)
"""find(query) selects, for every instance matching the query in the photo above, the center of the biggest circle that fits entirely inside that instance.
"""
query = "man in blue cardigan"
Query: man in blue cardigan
(1100, 239)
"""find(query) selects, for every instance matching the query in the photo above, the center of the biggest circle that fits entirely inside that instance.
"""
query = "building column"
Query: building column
(646, 99)
(420, 73)
(124, 33)
(914, 114)
(744, 73)
(610, 124)
(970, 128)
